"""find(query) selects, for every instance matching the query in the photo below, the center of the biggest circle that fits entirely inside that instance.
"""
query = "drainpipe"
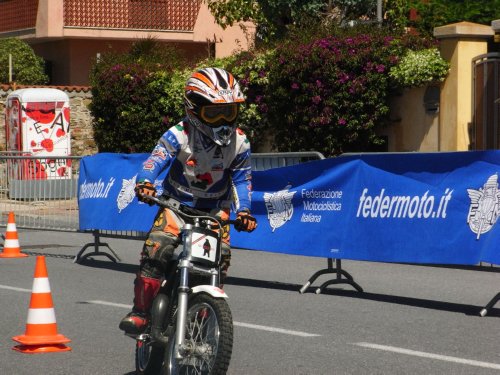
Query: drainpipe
(10, 68)
(379, 12)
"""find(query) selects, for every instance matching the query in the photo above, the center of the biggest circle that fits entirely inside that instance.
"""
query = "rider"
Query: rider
(209, 169)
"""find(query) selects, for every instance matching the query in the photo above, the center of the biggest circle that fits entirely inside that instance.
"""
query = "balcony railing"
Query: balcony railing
(17, 15)
(175, 15)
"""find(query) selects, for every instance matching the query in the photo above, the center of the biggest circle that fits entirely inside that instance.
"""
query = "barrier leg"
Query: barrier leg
(490, 304)
(348, 279)
(79, 258)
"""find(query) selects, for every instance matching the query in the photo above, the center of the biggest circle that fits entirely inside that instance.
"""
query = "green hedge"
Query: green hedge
(323, 90)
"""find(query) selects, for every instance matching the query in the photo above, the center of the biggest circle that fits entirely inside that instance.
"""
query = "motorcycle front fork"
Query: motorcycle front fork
(182, 304)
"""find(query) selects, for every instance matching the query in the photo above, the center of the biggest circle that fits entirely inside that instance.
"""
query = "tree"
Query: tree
(273, 17)
(27, 68)
(434, 13)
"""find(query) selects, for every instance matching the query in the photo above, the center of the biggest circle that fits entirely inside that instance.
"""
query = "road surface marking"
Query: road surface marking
(278, 330)
(239, 324)
(110, 304)
(14, 288)
(440, 357)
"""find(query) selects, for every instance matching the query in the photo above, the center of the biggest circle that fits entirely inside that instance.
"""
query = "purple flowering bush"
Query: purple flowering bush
(329, 94)
(325, 91)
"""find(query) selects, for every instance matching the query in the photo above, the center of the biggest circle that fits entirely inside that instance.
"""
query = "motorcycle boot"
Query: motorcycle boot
(158, 320)
(145, 290)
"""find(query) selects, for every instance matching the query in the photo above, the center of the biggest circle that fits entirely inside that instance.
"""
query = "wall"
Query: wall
(82, 141)
(71, 59)
(412, 128)
(460, 43)
(233, 38)
(63, 35)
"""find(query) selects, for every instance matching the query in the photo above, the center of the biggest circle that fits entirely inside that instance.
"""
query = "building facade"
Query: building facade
(70, 34)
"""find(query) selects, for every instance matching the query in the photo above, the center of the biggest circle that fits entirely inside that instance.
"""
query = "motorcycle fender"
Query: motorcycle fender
(209, 289)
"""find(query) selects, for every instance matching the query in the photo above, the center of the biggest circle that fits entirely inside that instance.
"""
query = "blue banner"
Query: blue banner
(415, 207)
(106, 196)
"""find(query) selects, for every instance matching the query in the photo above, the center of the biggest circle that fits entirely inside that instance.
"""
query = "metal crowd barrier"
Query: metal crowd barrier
(41, 191)
(264, 161)
(42, 194)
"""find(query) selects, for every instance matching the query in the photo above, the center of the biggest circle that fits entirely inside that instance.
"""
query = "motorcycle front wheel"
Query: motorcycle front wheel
(148, 358)
(208, 340)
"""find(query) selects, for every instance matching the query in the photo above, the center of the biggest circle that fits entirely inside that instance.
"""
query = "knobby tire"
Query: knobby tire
(213, 333)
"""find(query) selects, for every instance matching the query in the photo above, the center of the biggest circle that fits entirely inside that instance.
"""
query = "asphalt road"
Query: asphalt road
(410, 319)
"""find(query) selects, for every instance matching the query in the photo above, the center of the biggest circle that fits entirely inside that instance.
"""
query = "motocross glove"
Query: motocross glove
(143, 190)
(245, 222)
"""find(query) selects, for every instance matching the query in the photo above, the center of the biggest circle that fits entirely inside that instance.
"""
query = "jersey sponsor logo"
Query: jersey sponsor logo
(195, 192)
(149, 166)
(160, 153)
(203, 181)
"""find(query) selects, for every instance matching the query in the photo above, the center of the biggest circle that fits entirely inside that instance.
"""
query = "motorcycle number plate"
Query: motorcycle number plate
(204, 246)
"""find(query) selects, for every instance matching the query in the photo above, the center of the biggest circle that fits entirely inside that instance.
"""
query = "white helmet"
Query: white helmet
(212, 97)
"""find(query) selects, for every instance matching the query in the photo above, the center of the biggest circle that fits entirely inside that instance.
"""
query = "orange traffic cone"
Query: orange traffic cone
(11, 248)
(41, 329)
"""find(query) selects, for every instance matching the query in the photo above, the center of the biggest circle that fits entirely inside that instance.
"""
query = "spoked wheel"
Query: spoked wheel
(148, 358)
(208, 342)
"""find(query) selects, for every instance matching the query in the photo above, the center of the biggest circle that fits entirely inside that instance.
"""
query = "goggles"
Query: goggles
(212, 114)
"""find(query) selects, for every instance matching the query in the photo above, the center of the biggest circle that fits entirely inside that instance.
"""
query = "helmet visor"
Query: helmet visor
(213, 114)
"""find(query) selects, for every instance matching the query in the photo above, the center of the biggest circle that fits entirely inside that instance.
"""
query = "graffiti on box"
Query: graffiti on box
(40, 128)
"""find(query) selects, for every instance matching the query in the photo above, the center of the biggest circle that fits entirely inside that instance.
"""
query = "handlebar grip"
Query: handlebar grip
(237, 224)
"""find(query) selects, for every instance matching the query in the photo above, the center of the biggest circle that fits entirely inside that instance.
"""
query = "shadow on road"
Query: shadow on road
(399, 300)
(265, 284)
(106, 264)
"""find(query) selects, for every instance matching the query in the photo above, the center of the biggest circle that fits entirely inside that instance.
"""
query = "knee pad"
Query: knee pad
(225, 262)
(157, 253)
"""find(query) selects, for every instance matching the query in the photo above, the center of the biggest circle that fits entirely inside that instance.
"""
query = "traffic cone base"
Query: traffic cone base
(30, 339)
(37, 349)
(41, 329)
(12, 254)
(11, 248)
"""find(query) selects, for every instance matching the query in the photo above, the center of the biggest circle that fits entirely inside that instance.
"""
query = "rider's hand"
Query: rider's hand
(246, 222)
(143, 190)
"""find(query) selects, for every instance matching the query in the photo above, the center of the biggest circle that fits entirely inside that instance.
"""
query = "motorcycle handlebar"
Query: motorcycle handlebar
(187, 211)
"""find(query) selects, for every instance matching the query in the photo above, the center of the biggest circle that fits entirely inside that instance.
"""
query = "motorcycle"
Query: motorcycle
(196, 325)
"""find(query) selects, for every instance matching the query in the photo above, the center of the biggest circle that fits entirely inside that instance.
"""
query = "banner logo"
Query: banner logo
(485, 206)
(279, 207)
(388, 206)
(126, 194)
(95, 190)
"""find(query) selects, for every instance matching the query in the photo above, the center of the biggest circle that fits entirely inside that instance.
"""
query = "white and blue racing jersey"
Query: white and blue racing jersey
(201, 173)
